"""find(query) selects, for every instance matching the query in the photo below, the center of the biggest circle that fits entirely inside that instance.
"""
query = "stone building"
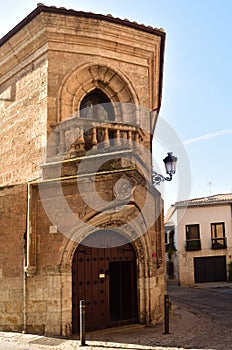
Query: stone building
(79, 218)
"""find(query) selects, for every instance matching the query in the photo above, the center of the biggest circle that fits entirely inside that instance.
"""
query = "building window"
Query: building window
(218, 235)
(96, 105)
(169, 237)
(193, 241)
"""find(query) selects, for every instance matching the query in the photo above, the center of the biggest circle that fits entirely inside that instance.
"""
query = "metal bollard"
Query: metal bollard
(166, 314)
(82, 322)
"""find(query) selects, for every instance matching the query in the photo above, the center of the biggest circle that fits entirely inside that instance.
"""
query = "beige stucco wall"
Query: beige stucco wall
(204, 216)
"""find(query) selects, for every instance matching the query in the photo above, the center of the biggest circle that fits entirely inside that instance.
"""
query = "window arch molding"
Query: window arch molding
(83, 80)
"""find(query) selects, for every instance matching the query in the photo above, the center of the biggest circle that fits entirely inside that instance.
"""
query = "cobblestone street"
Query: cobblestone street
(200, 319)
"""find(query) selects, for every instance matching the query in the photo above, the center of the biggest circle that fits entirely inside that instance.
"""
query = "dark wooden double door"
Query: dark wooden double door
(106, 279)
(210, 269)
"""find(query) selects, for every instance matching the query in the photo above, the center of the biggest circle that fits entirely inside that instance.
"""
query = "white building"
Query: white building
(201, 232)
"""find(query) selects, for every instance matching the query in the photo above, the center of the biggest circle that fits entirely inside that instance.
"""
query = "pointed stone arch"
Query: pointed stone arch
(113, 221)
(89, 77)
(146, 267)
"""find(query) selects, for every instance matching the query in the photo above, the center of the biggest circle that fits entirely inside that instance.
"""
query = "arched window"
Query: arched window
(96, 105)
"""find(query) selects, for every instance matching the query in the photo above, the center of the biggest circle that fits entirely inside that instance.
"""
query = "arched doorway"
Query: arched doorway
(106, 278)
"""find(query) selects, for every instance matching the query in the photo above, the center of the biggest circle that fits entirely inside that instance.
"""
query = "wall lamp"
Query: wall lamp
(170, 165)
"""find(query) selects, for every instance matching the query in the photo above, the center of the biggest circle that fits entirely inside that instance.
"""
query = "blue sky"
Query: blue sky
(197, 92)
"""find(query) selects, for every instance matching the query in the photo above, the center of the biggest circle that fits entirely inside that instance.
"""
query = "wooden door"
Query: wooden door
(106, 279)
(123, 294)
(210, 269)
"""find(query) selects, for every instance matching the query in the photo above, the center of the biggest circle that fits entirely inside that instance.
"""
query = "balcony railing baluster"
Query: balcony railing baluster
(117, 141)
(106, 138)
(72, 140)
(94, 137)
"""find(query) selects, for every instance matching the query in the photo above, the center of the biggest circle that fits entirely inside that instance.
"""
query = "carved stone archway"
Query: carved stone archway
(88, 77)
(145, 271)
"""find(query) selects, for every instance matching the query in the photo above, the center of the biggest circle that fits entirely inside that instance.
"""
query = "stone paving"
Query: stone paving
(190, 328)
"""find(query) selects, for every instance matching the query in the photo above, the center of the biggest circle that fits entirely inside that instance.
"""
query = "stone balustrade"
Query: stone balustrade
(74, 137)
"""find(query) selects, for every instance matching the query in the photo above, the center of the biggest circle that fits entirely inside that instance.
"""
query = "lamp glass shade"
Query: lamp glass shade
(170, 163)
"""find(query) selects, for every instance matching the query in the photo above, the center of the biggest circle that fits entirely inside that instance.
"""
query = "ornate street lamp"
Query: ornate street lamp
(170, 165)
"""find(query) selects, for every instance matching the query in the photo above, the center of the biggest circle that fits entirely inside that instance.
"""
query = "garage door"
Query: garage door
(210, 269)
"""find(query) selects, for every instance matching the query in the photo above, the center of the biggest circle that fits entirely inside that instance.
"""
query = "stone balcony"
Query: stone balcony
(74, 137)
(81, 139)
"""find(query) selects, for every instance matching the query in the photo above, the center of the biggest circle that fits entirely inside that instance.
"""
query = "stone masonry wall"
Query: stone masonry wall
(23, 116)
(37, 63)
(31, 86)
(78, 42)
(13, 206)
(49, 306)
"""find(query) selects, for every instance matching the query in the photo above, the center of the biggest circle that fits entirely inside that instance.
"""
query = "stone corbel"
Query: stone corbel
(9, 94)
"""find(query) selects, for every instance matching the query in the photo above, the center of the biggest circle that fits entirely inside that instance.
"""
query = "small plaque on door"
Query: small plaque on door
(101, 275)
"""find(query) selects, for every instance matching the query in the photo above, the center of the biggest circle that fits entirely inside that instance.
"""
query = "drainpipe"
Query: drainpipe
(26, 260)
(24, 272)
(30, 267)
(24, 284)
